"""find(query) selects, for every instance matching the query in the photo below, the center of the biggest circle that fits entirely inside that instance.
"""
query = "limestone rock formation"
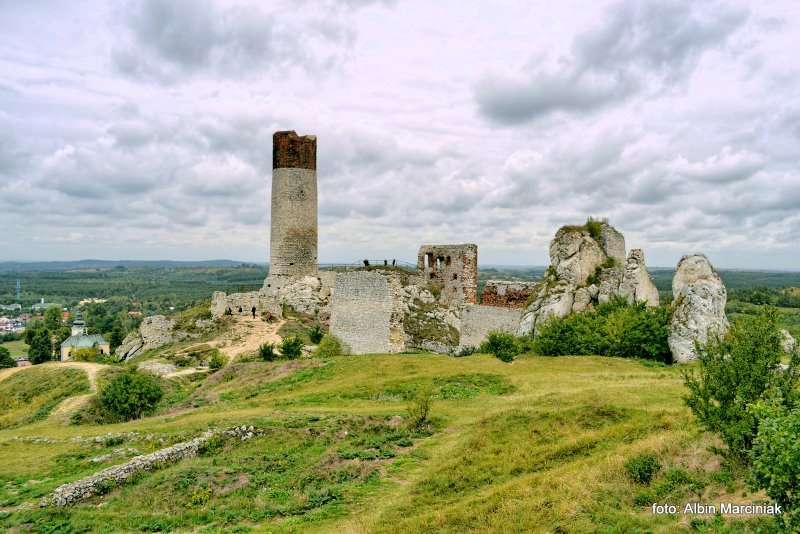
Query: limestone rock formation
(155, 331)
(789, 343)
(587, 268)
(637, 286)
(575, 255)
(304, 295)
(699, 298)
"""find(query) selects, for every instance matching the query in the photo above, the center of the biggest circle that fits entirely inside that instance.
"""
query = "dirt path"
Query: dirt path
(68, 406)
(63, 411)
(246, 335)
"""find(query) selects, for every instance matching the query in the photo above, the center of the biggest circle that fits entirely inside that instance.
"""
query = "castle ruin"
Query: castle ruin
(293, 228)
(454, 268)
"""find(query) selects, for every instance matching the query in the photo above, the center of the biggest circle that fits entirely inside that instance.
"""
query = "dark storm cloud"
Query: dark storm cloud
(639, 46)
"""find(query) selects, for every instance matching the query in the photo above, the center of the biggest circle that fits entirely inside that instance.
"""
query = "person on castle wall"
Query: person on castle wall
(254, 312)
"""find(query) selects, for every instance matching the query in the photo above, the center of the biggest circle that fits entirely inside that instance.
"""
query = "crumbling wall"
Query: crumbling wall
(293, 218)
(221, 301)
(454, 268)
(507, 294)
(478, 320)
(366, 312)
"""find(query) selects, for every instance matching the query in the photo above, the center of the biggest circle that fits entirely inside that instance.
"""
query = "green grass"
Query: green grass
(539, 445)
(31, 394)
(16, 348)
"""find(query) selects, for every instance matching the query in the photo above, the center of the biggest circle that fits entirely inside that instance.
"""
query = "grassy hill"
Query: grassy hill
(538, 445)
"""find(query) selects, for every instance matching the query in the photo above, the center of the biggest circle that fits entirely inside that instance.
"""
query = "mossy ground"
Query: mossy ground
(538, 445)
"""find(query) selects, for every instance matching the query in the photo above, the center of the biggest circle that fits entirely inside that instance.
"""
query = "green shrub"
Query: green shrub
(642, 468)
(420, 407)
(315, 334)
(594, 227)
(217, 361)
(291, 347)
(502, 344)
(267, 352)
(615, 328)
(776, 459)
(130, 395)
(5, 358)
(738, 370)
(329, 347)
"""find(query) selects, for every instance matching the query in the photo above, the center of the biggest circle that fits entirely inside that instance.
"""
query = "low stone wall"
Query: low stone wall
(507, 294)
(98, 483)
(477, 321)
(366, 312)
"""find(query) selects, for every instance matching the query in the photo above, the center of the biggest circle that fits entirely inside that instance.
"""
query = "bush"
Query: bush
(615, 328)
(130, 395)
(315, 334)
(267, 352)
(329, 347)
(291, 347)
(642, 468)
(420, 408)
(736, 371)
(5, 359)
(776, 460)
(502, 344)
(594, 227)
(217, 361)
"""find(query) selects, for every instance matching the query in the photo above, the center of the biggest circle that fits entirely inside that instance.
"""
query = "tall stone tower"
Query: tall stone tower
(293, 237)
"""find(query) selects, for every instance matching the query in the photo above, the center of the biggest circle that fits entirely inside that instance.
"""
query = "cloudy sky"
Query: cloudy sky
(143, 129)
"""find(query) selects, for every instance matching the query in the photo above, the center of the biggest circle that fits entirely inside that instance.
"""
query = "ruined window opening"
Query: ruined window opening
(455, 276)
(439, 262)
(447, 261)
(425, 260)
(432, 275)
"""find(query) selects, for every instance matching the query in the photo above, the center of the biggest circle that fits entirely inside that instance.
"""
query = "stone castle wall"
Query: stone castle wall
(507, 294)
(478, 320)
(366, 313)
(454, 268)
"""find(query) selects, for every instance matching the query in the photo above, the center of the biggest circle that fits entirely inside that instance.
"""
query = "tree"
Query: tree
(739, 370)
(117, 336)
(130, 395)
(52, 318)
(41, 347)
(5, 358)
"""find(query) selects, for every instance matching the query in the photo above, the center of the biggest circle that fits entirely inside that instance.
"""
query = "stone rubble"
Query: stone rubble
(73, 492)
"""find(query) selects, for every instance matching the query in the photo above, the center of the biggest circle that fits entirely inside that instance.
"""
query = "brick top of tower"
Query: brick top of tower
(290, 150)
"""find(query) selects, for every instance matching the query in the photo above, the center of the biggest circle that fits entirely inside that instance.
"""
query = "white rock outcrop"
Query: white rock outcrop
(155, 331)
(789, 343)
(699, 298)
(585, 271)
(637, 286)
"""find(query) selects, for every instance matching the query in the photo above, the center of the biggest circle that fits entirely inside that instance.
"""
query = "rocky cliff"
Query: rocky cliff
(587, 267)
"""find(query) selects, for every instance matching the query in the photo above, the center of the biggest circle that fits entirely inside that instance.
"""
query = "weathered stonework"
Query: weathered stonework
(98, 483)
(477, 321)
(293, 235)
(155, 331)
(367, 312)
(507, 294)
(454, 268)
